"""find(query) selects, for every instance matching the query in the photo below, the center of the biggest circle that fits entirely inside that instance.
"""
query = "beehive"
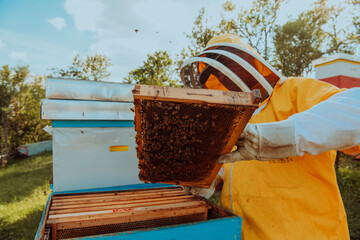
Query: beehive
(89, 214)
(182, 132)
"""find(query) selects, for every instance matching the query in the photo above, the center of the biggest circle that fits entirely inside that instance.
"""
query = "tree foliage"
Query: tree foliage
(156, 70)
(313, 34)
(355, 35)
(256, 25)
(297, 43)
(20, 108)
(92, 68)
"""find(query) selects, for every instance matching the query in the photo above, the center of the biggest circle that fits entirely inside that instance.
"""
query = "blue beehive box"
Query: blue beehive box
(94, 157)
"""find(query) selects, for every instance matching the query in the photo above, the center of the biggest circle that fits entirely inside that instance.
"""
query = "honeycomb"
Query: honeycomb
(180, 142)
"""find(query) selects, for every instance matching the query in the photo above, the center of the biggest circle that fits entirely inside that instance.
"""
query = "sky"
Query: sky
(45, 34)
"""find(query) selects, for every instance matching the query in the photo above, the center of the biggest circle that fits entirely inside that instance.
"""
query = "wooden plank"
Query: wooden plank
(121, 206)
(138, 138)
(206, 214)
(162, 193)
(44, 217)
(161, 93)
(141, 216)
(127, 212)
(54, 231)
(109, 203)
(114, 198)
(116, 206)
(118, 193)
(126, 196)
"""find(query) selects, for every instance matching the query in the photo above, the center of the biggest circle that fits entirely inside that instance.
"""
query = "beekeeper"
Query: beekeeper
(289, 191)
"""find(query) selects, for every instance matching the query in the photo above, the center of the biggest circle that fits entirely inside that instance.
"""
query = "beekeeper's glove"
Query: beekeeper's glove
(264, 141)
(206, 192)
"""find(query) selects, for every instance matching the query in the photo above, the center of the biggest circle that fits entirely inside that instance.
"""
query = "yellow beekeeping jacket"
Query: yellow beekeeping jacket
(292, 198)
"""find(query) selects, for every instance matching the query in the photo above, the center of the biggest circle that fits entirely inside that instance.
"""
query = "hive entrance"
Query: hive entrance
(182, 132)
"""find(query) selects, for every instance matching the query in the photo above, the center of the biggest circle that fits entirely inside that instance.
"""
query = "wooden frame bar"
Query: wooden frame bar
(187, 95)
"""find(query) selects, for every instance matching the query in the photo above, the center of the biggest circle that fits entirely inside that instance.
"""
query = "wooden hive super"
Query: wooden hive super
(182, 132)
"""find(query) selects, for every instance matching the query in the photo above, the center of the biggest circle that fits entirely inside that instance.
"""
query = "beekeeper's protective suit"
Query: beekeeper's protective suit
(294, 194)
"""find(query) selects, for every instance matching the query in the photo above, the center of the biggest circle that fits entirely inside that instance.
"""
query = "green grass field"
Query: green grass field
(24, 190)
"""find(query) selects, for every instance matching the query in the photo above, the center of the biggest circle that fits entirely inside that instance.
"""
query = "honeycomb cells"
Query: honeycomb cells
(180, 142)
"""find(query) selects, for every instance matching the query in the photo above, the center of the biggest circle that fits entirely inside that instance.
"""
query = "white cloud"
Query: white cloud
(18, 56)
(58, 22)
(2, 45)
(160, 26)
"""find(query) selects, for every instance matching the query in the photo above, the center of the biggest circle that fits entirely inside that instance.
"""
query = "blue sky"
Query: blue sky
(45, 34)
(30, 39)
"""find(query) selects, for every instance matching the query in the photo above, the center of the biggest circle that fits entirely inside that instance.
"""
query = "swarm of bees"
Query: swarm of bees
(182, 141)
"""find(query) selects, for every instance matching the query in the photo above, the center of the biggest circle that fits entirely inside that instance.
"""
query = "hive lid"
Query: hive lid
(58, 109)
(182, 132)
(62, 88)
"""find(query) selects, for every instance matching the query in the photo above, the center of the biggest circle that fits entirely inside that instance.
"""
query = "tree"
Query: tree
(313, 34)
(20, 108)
(11, 85)
(297, 43)
(156, 70)
(25, 121)
(337, 39)
(355, 35)
(256, 24)
(92, 68)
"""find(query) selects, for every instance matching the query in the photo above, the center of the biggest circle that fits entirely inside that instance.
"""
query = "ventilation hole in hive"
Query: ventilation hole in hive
(124, 227)
(182, 141)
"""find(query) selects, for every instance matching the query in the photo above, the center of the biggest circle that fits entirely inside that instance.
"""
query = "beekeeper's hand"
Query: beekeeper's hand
(205, 192)
(264, 141)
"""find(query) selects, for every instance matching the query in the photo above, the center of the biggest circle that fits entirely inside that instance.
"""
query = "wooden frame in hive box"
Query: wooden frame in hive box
(241, 105)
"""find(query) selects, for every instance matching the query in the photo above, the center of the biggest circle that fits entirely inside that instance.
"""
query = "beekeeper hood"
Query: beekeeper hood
(228, 63)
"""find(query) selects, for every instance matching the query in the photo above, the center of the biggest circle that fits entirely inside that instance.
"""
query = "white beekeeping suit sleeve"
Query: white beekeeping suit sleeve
(331, 124)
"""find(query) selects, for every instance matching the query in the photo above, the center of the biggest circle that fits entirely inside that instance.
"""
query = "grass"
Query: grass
(24, 190)
(349, 184)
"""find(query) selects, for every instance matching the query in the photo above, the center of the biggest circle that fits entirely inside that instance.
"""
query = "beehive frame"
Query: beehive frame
(248, 101)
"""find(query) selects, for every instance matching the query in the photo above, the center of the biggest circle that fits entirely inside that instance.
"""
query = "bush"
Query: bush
(349, 184)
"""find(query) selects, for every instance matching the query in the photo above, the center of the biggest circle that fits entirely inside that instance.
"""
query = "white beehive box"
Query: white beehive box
(89, 119)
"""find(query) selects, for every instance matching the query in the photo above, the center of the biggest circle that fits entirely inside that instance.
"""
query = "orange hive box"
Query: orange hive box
(182, 132)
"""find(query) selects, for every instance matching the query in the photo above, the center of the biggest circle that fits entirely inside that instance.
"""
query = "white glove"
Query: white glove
(205, 192)
(264, 141)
